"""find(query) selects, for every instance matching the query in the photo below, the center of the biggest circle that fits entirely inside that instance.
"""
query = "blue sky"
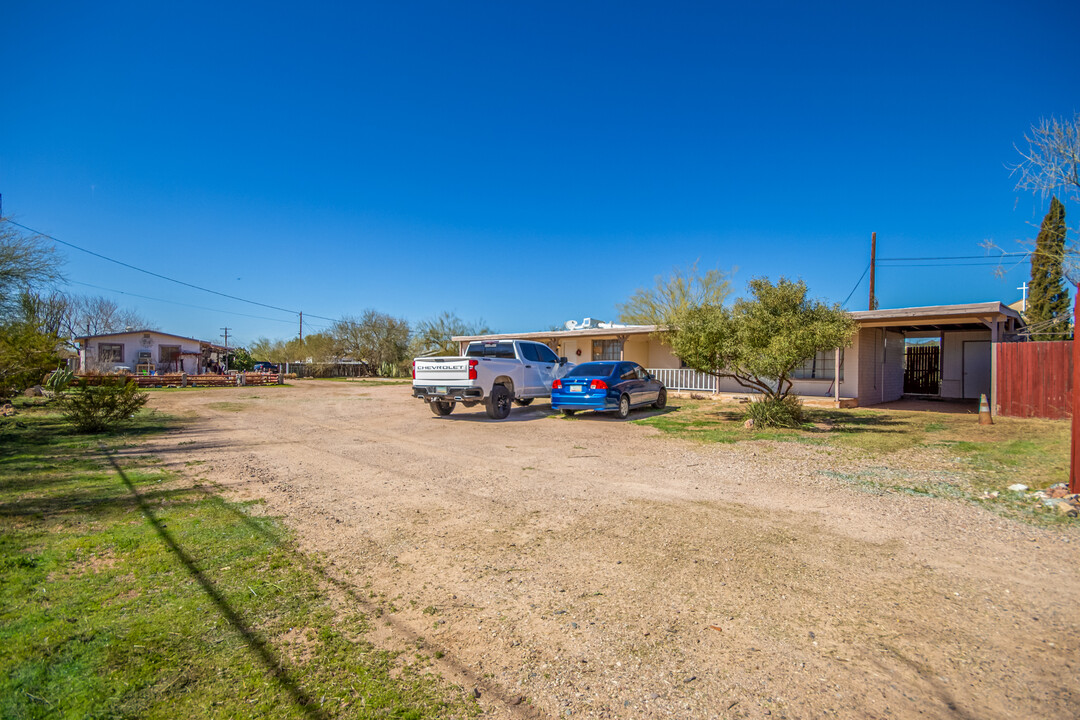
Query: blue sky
(524, 164)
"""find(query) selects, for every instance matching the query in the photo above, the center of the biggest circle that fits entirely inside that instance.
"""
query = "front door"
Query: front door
(976, 368)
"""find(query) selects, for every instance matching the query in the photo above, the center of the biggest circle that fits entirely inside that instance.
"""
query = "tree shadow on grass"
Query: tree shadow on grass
(258, 646)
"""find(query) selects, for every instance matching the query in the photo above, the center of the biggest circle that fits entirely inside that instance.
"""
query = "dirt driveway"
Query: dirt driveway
(590, 568)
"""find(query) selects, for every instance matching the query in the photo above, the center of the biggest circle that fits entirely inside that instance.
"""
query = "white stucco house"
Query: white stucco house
(870, 371)
(147, 352)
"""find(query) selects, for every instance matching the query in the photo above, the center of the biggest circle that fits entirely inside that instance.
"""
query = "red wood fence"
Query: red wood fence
(1034, 379)
(178, 379)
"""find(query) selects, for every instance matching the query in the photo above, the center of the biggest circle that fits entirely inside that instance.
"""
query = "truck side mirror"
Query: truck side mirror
(563, 360)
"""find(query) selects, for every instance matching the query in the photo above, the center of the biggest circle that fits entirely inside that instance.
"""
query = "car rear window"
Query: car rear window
(495, 350)
(592, 370)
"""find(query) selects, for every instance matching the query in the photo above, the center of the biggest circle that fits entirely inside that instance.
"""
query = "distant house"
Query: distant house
(147, 351)
(874, 369)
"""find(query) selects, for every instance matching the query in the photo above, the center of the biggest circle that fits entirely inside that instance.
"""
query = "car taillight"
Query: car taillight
(557, 385)
(413, 369)
(472, 369)
(598, 385)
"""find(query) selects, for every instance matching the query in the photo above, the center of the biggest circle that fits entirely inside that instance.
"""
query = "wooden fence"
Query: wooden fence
(1034, 379)
(185, 380)
(922, 371)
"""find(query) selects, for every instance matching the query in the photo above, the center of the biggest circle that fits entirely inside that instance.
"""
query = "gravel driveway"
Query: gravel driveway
(591, 568)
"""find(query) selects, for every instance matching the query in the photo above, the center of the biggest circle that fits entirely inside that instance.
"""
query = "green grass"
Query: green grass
(988, 457)
(125, 592)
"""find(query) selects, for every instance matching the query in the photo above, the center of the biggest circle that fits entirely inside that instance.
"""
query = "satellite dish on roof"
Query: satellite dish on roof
(571, 324)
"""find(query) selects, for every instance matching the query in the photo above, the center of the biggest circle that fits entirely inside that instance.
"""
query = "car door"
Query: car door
(629, 383)
(650, 389)
(530, 358)
(548, 364)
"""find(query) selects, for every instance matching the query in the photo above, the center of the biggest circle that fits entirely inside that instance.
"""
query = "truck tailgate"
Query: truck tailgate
(454, 371)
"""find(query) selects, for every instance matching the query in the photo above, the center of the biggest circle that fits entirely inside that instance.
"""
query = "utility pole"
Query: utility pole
(873, 263)
(301, 327)
(226, 348)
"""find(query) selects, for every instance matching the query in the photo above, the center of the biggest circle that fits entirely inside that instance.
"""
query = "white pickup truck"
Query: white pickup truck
(494, 372)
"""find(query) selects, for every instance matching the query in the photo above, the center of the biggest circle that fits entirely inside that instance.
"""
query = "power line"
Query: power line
(857, 284)
(169, 279)
(181, 304)
(956, 257)
(150, 272)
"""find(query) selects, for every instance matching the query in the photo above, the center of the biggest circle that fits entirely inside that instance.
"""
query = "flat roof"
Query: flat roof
(963, 314)
(559, 334)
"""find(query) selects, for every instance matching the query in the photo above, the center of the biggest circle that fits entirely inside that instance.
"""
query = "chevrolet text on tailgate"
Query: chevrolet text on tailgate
(494, 372)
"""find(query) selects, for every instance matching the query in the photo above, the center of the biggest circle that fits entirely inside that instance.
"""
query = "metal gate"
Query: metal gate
(922, 370)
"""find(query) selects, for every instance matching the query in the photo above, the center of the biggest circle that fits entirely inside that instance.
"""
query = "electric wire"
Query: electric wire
(857, 284)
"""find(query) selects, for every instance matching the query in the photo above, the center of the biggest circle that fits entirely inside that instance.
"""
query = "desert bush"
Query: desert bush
(102, 407)
(785, 412)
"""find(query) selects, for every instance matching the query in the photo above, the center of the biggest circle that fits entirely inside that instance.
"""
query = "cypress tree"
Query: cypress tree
(1048, 301)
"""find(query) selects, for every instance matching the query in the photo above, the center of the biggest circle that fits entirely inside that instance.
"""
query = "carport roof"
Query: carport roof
(972, 314)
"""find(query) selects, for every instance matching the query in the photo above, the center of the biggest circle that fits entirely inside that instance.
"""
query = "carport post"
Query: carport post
(1074, 455)
(836, 379)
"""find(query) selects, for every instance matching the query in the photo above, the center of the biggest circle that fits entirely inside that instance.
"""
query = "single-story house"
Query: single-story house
(879, 366)
(147, 352)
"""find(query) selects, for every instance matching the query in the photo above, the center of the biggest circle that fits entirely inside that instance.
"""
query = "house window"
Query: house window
(607, 350)
(169, 355)
(110, 352)
(820, 367)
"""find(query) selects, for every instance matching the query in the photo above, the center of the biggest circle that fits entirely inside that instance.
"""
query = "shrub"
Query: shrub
(786, 412)
(97, 408)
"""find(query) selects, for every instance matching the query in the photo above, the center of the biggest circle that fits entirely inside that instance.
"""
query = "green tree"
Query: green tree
(759, 342)
(682, 289)
(433, 337)
(1047, 312)
(240, 360)
(28, 339)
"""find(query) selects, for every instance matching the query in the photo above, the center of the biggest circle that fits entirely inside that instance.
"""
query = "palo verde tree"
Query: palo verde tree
(1047, 312)
(684, 288)
(759, 341)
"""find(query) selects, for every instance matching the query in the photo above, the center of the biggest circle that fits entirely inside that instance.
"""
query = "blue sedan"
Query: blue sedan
(607, 387)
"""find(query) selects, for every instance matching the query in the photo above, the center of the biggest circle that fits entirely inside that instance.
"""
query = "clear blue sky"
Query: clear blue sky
(521, 164)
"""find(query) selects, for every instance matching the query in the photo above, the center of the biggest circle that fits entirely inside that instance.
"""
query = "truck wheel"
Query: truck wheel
(568, 413)
(661, 399)
(624, 407)
(441, 408)
(498, 403)
(523, 401)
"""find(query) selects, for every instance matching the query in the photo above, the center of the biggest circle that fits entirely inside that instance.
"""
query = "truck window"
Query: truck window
(546, 354)
(528, 352)
(502, 349)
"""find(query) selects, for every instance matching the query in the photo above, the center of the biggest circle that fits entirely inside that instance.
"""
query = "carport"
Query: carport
(939, 351)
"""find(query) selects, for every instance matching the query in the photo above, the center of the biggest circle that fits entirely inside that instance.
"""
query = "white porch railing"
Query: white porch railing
(684, 379)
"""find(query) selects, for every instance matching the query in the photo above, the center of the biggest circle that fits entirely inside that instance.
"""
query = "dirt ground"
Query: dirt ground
(591, 568)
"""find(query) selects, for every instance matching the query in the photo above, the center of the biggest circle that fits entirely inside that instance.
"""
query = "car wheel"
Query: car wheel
(661, 399)
(624, 407)
(441, 408)
(498, 403)
(523, 401)
(568, 413)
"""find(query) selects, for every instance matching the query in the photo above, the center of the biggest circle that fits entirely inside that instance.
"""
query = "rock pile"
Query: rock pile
(1058, 497)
